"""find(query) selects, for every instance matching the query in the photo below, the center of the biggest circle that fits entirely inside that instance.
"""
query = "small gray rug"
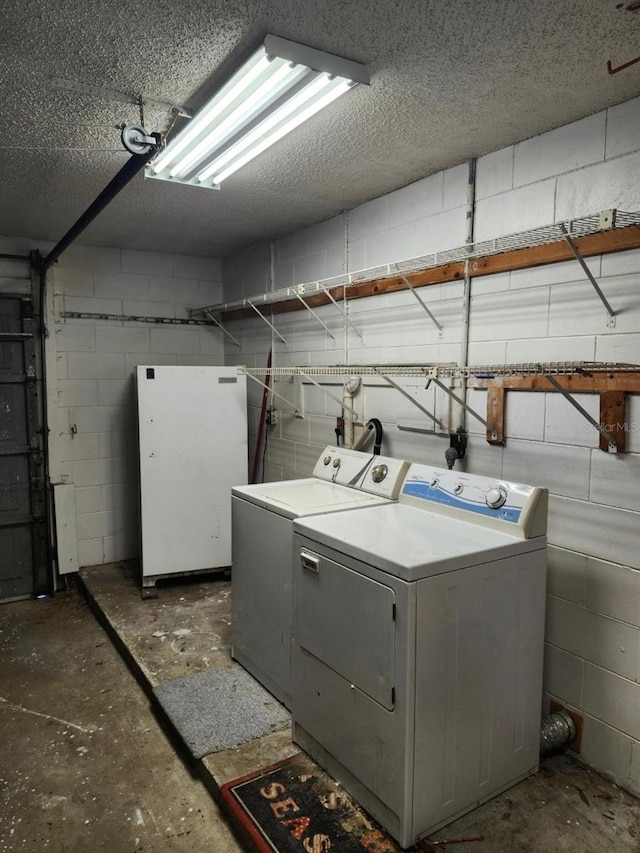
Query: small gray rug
(220, 708)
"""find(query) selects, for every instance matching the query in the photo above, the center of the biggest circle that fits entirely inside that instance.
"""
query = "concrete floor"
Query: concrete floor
(184, 630)
(84, 764)
(116, 783)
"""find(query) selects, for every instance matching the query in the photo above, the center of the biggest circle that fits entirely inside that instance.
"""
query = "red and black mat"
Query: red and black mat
(295, 807)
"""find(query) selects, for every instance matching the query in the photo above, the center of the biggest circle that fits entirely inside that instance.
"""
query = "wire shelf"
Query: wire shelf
(480, 371)
(582, 227)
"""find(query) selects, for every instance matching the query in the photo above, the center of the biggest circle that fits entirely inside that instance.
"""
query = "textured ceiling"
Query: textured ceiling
(449, 80)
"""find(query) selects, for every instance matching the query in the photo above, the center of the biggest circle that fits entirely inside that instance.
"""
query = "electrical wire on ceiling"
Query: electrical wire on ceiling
(102, 127)
(171, 126)
(95, 125)
(57, 148)
(106, 93)
(102, 92)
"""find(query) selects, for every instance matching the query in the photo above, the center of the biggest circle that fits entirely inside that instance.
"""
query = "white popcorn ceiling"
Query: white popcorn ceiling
(449, 81)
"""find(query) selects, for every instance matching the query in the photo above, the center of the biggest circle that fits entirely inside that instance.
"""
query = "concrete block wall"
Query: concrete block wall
(592, 653)
(93, 441)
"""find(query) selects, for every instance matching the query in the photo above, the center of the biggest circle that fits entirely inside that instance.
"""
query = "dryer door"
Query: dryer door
(347, 621)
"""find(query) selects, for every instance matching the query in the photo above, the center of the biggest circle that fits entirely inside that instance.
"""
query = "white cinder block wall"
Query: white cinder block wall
(545, 314)
(93, 441)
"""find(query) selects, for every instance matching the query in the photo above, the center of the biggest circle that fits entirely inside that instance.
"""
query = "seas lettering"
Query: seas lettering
(297, 827)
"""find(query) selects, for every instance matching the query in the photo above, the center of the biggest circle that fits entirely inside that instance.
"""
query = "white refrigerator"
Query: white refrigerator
(192, 428)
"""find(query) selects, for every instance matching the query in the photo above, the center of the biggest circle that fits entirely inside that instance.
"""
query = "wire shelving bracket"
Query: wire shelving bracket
(586, 270)
(408, 284)
(344, 313)
(413, 400)
(219, 325)
(262, 317)
(271, 391)
(433, 378)
(315, 315)
(613, 447)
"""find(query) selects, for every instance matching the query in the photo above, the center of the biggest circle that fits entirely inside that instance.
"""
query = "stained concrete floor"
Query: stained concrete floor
(565, 808)
(186, 629)
(84, 764)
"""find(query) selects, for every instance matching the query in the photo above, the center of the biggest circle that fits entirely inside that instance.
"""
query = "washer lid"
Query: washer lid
(410, 543)
(293, 498)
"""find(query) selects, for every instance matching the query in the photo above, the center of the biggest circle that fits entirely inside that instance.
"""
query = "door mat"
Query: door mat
(294, 806)
(219, 709)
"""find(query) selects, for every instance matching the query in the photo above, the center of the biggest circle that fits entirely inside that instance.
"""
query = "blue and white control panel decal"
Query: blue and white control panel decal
(466, 492)
(437, 494)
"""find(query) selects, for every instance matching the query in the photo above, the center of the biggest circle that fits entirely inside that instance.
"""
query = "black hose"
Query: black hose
(374, 423)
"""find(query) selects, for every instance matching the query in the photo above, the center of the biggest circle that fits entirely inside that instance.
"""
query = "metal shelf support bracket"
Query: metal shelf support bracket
(354, 415)
(422, 302)
(433, 378)
(272, 392)
(586, 270)
(613, 447)
(315, 315)
(219, 325)
(271, 326)
(414, 401)
(344, 313)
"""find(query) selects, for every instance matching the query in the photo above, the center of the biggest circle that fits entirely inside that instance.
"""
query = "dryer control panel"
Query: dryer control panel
(378, 475)
(516, 508)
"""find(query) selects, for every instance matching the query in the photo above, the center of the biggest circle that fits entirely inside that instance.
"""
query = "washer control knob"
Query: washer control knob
(379, 473)
(336, 462)
(326, 460)
(458, 489)
(434, 483)
(496, 497)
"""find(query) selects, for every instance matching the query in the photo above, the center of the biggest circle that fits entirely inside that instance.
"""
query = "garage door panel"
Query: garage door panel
(15, 558)
(24, 565)
(15, 500)
(13, 417)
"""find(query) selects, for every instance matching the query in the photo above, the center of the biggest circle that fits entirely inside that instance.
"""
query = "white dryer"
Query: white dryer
(418, 644)
(262, 539)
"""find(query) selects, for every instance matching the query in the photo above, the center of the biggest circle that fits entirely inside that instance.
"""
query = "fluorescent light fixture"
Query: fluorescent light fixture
(277, 89)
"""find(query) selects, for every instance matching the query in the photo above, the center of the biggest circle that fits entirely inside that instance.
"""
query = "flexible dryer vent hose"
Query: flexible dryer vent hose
(556, 730)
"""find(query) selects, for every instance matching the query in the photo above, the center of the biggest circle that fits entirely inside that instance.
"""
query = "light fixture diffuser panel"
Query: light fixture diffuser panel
(249, 113)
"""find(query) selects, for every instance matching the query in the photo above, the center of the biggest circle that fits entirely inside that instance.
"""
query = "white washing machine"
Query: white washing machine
(262, 542)
(418, 643)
